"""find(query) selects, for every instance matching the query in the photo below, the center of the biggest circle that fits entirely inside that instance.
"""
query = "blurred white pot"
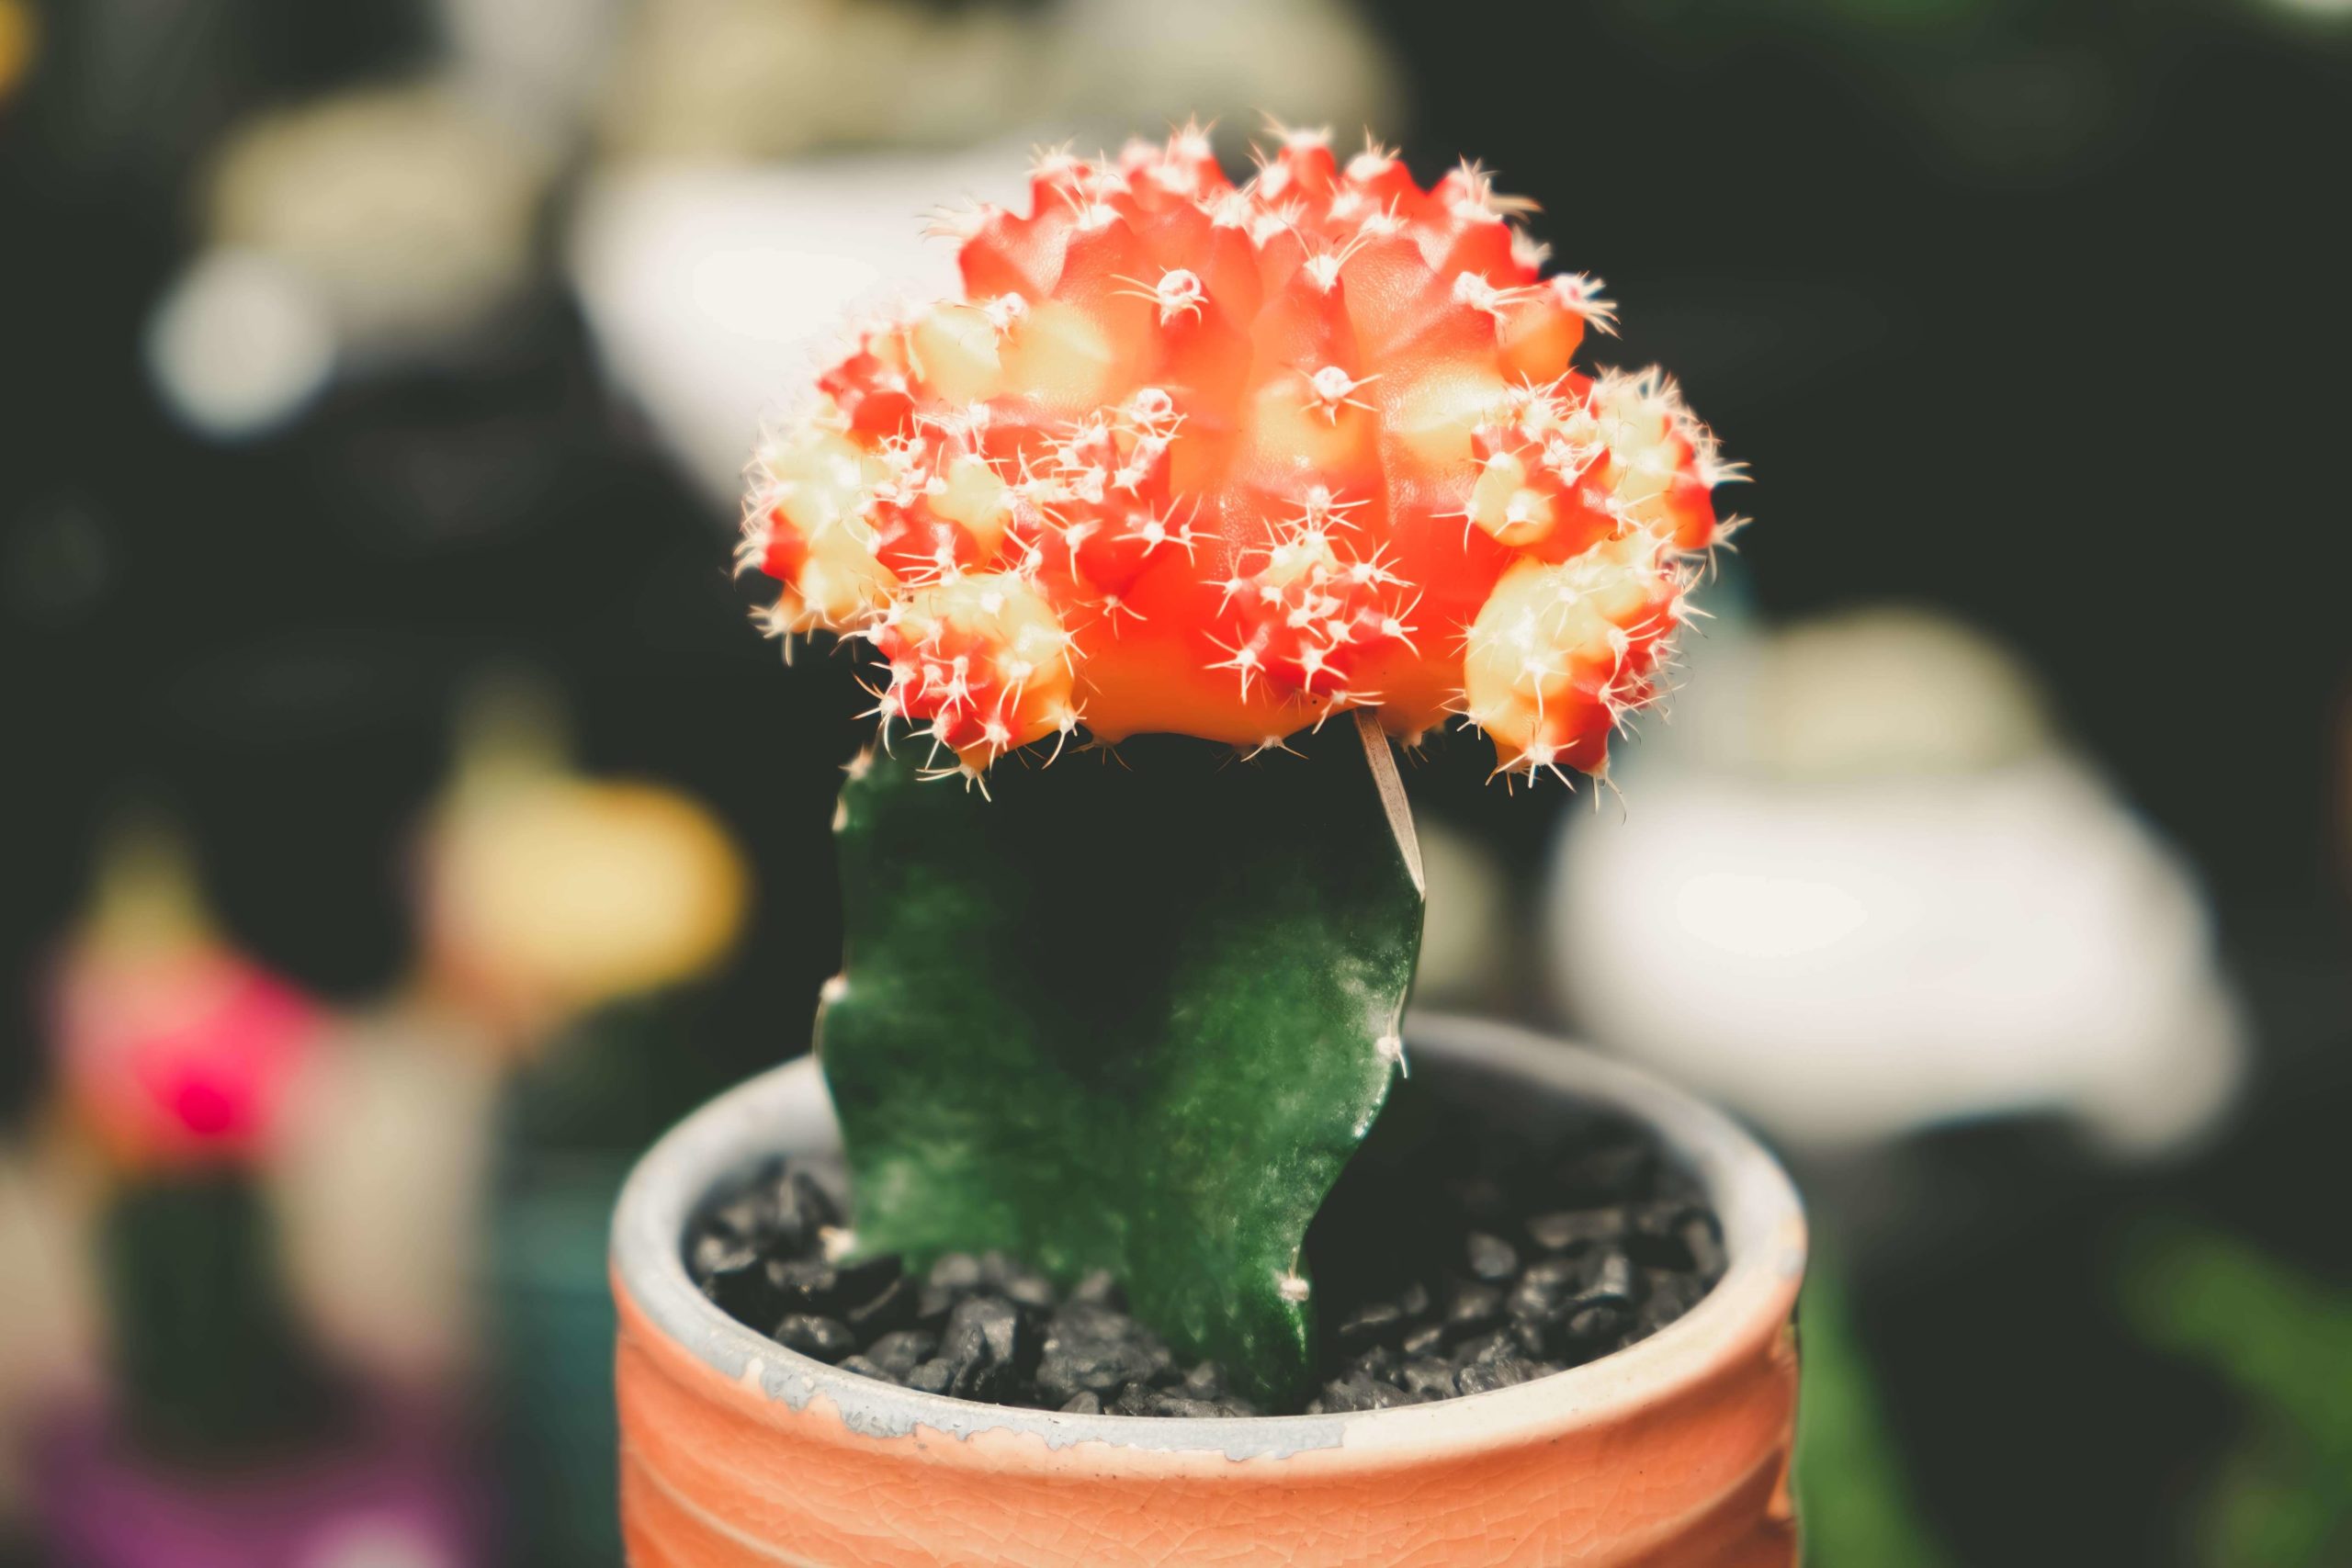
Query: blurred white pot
(714, 291)
(765, 79)
(48, 1342)
(380, 1187)
(718, 280)
(1861, 890)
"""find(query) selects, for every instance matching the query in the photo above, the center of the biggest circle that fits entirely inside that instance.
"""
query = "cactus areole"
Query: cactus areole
(1196, 459)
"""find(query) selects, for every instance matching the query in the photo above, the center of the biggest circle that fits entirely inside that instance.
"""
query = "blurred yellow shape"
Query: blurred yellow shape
(589, 891)
(551, 893)
(19, 42)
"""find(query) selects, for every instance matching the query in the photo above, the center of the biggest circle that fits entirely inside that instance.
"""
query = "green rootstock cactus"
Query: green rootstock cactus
(1127, 1017)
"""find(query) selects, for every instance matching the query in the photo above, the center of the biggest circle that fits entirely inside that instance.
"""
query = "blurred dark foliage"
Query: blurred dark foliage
(2084, 397)
(270, 640)
(2033, 312)
(215, 1366)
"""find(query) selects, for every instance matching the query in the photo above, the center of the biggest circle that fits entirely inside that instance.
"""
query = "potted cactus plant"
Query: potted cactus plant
(1078, 1243)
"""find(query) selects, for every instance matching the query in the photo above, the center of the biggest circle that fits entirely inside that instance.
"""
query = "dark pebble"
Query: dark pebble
(931, 1377)
(956, 1271)
(739, 1283)
(1414, 1300)
(862, 1279)
(1429, 1379)
(1096, 1350)
(1375, 1322)
(1152, 1401)
(750, 1218)
(1654, 1236)
(1005, 1275)
(1594, 1329)
(1610, 1173)
(1681, 1292)
(1702, 1239)
(866, 1368)
(894, 1306)
(1204, 1382)
(804, 1203)
(933, 1302)
(1611, 1282)
(1497, 1346)
(805, 1285)
(1483, 1199)
(1095, 1322)
(1567, 1228)
(986, 1344)
(1473, 1309)
(714, 1253)
(1492, 1258)
(1352, 1393)
(1670, 1296)
(1083, 1403)
(901, 1352)
(1427, 1340)
(1482, 1377)
(1543, 1291)
(826, 1339)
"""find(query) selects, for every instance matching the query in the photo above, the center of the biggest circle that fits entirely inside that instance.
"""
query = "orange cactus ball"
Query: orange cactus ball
(1222, 460)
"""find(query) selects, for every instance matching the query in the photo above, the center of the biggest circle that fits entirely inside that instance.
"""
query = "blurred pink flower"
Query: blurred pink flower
(182, 1056)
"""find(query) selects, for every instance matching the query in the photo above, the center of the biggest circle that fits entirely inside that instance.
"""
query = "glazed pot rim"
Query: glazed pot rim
(784, 1109)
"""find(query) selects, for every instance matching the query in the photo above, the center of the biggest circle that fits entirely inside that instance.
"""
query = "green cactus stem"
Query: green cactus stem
(210, 1355)
(1132, 1014)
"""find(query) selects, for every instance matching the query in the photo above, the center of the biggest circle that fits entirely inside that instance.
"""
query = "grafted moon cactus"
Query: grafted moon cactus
(1218, 461)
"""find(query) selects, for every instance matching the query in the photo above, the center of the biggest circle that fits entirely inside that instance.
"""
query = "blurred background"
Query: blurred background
(409, 826)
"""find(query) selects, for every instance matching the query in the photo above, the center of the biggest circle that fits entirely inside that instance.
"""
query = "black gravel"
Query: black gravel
(1449, 1261)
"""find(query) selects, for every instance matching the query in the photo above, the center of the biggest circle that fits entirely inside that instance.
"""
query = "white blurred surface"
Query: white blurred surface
(539, 62)
(715, 292)
(48, 1302)
(378, 1188)
(767, 79)
(239, 345)
(1959, 920)
(718, 280)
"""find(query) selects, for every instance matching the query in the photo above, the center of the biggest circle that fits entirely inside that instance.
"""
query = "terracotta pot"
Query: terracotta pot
(1673, 1453)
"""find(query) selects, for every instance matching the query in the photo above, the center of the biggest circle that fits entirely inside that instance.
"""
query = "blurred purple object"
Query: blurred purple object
(390, 1490)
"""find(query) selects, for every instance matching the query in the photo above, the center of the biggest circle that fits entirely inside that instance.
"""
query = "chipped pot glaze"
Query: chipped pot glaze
(737, 1453)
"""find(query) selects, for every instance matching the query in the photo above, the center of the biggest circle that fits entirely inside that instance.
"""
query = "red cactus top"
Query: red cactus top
(1219, 460)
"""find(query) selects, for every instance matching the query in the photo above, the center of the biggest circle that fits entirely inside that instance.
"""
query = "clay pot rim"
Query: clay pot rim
(786, 1109)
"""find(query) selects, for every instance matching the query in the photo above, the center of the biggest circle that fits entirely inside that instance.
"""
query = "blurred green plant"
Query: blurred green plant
(1852, 1495)
(2282, 1497)
(212, 1359)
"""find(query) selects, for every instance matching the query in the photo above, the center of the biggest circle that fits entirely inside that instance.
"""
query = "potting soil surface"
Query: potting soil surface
(1447, 1262)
